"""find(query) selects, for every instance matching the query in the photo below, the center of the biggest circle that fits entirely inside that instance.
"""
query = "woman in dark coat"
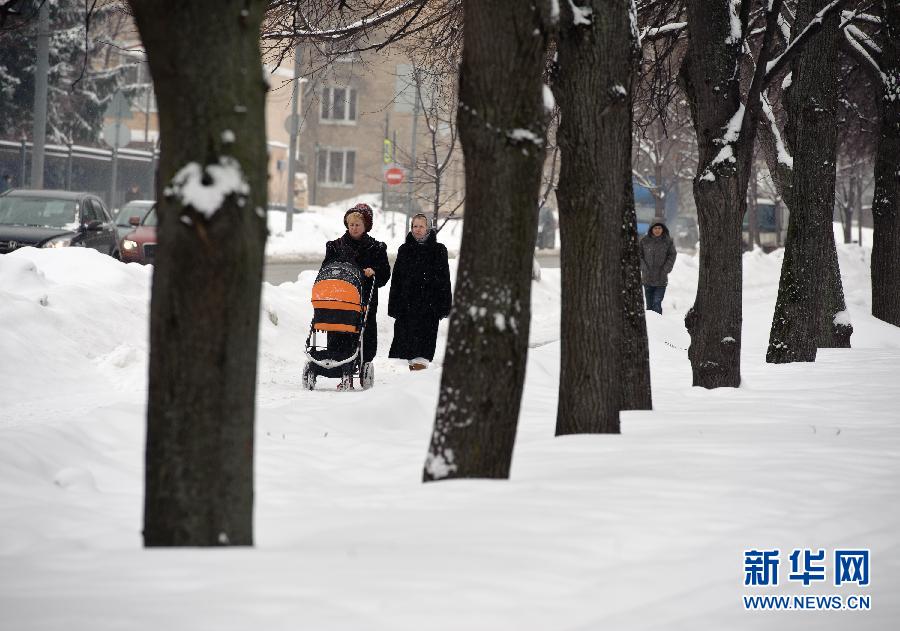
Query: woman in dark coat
(420, 295)
(370, 256)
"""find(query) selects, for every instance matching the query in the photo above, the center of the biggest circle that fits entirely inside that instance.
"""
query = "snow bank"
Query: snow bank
(644, 530)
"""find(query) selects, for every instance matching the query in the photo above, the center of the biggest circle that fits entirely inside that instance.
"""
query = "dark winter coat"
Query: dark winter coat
(420, 296)
(365, 252)
(657, 257)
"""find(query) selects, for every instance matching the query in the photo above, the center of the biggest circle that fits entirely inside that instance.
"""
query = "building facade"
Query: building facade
(363, 116)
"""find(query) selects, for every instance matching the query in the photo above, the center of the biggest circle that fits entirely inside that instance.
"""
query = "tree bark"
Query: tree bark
(710, 77)
(809, 310)
(596, 64)
(204, 316)
(753, 210)
(886, 199)
(502, 123)
(635, 376)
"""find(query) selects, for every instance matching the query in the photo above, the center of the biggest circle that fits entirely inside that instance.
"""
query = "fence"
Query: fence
(80, 168)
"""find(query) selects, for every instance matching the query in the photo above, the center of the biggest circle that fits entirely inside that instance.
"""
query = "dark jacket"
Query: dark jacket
(657, 257)
(365, 252)
(420, 296)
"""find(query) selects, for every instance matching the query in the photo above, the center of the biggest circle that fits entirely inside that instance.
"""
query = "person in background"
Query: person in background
(6, 183)
(133, 193)
(657, 260)
(370, 257)
(420, 294)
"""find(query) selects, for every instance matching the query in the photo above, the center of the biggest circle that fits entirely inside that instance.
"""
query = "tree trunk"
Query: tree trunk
(886, 199)
(635, 376)
(205, 61)
(809, 310)
(835, 328)
(596, 63)
(659, 194)
(709, 74)
(502, 125)
(753, 210)
(847, 206)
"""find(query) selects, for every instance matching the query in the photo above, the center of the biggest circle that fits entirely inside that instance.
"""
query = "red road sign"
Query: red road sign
(393, 176)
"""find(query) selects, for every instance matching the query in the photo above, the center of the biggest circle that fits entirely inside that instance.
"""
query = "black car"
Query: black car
(55, 219)
(135, 208)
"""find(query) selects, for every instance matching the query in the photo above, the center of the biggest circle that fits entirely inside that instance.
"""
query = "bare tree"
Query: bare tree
(437, 96)
(664, 155)
(597, 58)
(205, 61)
(882, 60)
(725, 118)
(810, 309)
(502, 129)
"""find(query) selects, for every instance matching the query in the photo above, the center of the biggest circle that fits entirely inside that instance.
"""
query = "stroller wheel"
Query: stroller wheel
(309, 377)
(368, 376)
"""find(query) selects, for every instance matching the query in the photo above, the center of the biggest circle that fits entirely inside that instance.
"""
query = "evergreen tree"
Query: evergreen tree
(79, 89)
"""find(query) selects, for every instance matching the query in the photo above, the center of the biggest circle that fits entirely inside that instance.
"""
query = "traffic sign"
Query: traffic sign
(118, 107)
(116, 134)
(393, 176)
(289, 123)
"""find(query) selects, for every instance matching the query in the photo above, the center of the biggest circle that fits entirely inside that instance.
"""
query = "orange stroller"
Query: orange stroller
(339, 308)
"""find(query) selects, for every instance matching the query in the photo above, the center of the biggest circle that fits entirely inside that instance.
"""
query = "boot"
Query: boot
(346, 382)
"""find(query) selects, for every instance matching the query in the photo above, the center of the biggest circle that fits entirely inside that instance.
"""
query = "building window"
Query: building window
(336, 166)
(339, 105)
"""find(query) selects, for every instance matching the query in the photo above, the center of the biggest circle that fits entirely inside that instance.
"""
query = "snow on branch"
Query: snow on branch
(862, 55)
(815, 25)
(785, 28)
(860, 17)
(734, 18)
(863, 38)
(349, 29)
(673, 29)
(784, 157)
(728, 140)
(581, 16)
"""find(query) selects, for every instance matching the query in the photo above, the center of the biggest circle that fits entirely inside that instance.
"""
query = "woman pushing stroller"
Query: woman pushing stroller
(370, 258)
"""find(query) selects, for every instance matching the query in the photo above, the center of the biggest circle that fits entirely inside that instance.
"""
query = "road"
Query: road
(283, 272)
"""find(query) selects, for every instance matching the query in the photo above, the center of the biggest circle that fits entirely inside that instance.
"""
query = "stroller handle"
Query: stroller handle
(369, 301)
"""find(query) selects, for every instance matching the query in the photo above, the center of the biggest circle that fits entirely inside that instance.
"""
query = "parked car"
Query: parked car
(139, 246)
(55, 219)
(135, 208)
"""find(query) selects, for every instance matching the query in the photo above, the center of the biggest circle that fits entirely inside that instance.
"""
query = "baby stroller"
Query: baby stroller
(338, 309)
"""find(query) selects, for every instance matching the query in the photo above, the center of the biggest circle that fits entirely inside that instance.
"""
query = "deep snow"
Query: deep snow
(645, 530)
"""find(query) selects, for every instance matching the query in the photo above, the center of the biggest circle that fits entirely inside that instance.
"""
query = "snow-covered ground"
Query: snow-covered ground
(644, 530)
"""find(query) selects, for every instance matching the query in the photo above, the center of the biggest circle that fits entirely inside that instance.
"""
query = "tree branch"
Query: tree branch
(815, 25)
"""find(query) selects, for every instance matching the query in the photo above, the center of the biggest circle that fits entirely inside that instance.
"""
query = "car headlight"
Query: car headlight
(58, 242)
(128, 244)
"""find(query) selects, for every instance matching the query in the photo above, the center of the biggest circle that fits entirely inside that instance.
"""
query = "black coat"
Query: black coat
(420, 296)
(364, 252)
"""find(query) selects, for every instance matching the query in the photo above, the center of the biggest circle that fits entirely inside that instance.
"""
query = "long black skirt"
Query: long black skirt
(414, 337)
